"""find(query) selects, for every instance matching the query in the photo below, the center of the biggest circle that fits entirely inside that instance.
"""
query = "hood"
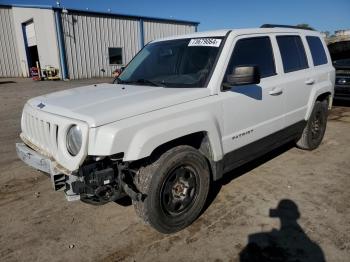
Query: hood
(105, 103)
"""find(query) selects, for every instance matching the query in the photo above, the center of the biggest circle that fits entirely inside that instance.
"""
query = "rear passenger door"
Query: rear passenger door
(298, 77)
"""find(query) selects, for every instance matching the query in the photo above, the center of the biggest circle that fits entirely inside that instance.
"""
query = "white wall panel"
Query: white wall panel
(45, 34)
(87, 39)
(157, 29)
(9, 59)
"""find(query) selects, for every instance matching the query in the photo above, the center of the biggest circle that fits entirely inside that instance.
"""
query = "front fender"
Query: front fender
(148, 138)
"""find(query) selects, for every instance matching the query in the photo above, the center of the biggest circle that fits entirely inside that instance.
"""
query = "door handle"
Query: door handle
(310, 81)
(276, 91)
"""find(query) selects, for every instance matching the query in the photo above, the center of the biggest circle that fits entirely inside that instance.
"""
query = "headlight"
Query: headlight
(74, 140)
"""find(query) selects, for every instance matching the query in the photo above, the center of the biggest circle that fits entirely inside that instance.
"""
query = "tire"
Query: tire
(176, 186)
(315, 128)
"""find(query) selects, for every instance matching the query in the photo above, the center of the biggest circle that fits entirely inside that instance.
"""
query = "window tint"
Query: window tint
(292, 53)
(253, 51)
(115, 56)
(317, 51)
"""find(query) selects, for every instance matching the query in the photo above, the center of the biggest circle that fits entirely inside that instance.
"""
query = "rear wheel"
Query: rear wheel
(176, 186)
(315, 128)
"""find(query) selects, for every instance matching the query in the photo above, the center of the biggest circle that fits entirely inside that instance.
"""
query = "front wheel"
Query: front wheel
(176, 186)
(315, 128)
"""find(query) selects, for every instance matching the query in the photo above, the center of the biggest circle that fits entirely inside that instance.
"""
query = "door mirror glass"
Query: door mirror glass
(242, 75)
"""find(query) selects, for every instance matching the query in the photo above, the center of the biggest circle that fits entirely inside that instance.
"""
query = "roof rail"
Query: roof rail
(284, 26)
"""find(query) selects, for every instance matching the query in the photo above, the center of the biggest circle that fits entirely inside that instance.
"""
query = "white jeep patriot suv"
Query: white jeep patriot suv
(186, 110)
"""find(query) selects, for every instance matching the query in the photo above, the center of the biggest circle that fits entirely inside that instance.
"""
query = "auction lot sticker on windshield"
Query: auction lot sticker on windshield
(213, 42)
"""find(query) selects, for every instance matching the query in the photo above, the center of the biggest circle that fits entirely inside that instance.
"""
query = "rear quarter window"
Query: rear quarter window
(318, 53)
(292, 53)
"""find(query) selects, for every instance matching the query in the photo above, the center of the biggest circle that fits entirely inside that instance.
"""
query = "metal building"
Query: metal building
(9, 59)
(80, 43)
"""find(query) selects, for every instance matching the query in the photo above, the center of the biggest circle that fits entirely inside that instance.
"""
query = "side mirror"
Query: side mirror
(242, 75)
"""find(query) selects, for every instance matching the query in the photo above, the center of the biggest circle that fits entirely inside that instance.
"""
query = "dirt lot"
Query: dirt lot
(38, 224)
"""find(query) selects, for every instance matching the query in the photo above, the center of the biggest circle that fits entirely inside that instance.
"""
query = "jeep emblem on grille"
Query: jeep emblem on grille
(41, 105)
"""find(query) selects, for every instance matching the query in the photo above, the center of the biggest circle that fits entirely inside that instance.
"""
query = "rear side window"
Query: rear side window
(254, 51)
(317, 51)
(292, 53)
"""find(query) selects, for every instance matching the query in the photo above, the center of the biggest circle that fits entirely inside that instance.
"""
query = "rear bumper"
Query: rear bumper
(59, 181)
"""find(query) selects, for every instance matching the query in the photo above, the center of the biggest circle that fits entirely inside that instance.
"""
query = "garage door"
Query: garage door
(30, 33)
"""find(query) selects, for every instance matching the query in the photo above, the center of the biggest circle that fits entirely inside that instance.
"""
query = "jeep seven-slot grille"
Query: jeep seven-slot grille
(42, 134)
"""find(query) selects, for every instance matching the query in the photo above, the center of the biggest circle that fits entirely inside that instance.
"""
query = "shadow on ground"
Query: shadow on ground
(234, 174)
(290, 243)
(7, 82)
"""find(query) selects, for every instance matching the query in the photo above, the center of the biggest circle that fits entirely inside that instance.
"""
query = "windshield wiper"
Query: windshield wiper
(143, 81)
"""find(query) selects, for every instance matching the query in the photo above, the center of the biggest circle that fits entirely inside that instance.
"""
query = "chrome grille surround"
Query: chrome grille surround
(46, 133)
(41, 133)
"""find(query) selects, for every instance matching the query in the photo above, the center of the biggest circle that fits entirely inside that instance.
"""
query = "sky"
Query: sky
(323, 15)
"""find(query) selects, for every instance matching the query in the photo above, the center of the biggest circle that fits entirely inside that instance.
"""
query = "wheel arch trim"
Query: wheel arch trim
(321, 92)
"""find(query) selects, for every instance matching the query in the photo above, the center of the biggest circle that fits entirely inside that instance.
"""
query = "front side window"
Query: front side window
(317, 51)
(115, 56)
(174, 63)
(292, 53)
(256, 51)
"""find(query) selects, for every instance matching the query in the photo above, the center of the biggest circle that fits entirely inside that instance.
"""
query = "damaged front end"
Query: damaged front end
(97, 181)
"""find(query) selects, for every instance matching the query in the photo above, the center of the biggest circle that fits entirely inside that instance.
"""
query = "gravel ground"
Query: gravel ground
(296, 201)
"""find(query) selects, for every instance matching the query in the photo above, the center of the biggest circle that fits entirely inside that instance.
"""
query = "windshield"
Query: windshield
(174, 63)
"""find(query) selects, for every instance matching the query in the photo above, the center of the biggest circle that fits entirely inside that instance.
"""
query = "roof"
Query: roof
(216, 33)
(121, 15)
(241, 31)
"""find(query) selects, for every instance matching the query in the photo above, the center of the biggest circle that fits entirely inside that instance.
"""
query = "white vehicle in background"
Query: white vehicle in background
(185, 111)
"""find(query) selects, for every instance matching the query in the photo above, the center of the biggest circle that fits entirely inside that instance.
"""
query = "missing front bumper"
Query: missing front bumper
(59, 180)
(96, 182)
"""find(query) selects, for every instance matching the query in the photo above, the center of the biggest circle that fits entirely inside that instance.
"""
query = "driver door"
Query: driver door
(251, 112)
